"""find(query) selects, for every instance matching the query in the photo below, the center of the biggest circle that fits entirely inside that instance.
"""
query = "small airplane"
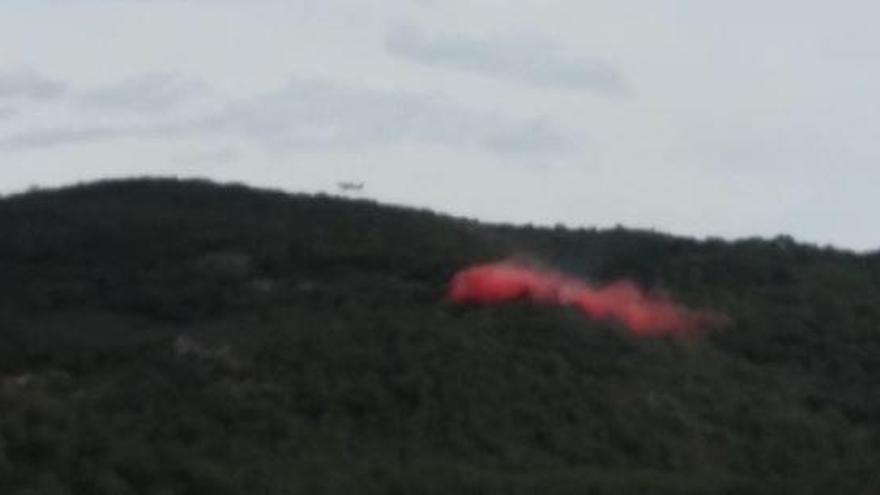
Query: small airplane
(346, 186)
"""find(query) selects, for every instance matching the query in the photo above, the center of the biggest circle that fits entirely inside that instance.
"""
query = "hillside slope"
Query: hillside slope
(162, 336)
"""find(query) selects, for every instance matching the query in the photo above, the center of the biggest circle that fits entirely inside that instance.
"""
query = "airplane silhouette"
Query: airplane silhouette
(350, 186)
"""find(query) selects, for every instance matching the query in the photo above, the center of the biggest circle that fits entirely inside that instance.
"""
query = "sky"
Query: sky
(704, 118)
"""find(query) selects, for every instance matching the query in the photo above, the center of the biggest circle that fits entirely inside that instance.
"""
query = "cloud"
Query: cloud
(535, 61)
(149, 106)
(314, 115)
(59, 136)
(150, 93)
(25, 83)
(218, 156)
(318, 114)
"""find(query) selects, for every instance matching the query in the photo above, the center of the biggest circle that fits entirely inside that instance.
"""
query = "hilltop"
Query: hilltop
(162, 336)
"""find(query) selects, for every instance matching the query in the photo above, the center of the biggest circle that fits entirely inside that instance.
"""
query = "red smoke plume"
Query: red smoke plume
(643, 314)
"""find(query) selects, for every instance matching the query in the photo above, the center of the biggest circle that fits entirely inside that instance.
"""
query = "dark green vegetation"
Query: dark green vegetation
(171, 337)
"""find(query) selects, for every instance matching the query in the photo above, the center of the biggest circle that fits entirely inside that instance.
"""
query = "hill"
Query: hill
(183, 337)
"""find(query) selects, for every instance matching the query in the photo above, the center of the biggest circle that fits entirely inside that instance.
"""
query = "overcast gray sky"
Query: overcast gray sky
(696, 117)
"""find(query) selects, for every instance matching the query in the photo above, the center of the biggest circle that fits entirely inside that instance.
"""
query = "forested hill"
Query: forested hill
(182, 337)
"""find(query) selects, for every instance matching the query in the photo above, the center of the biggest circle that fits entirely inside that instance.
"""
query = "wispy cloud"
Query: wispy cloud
(26, 83)
(318, 114)
(313, 115)
(217, 156)
(149, 93)
(51, 137)
(47, 138)
(531, 60)
(145, 107)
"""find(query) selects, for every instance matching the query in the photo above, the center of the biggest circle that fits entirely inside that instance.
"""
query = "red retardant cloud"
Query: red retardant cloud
(643, 314)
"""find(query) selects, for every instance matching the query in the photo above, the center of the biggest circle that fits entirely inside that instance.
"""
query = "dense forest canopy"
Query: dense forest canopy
(183, 337)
